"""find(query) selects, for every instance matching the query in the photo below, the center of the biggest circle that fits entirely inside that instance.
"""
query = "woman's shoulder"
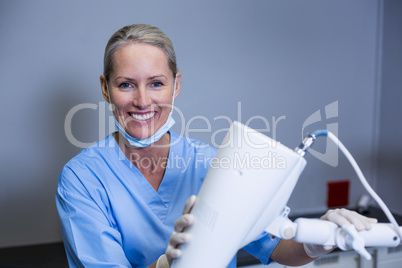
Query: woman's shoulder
(96, 151)
(90, 160)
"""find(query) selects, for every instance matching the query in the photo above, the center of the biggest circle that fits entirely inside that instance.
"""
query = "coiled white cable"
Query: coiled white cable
(366, 185)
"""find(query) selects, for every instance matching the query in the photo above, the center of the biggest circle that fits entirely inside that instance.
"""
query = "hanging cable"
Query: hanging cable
(366, 185)
(309, 140)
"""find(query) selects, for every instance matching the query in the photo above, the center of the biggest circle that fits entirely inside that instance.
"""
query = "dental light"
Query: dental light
(245, 193)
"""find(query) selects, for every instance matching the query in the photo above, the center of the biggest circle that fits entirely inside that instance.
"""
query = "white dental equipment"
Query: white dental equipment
(245, 193)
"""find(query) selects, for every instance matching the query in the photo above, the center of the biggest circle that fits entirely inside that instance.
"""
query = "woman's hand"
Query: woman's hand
(178, 237)
(343, 217)
(340, 217)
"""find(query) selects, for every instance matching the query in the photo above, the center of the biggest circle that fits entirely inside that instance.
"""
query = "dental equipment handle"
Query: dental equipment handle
(326, 233)
(353, 238)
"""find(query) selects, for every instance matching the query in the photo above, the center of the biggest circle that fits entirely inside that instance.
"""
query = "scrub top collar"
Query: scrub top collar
(167, 188)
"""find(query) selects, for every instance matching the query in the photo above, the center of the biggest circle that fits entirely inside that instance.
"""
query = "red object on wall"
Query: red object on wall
(338, 193)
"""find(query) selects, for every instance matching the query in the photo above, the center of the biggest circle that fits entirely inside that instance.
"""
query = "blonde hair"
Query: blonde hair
(138, 33)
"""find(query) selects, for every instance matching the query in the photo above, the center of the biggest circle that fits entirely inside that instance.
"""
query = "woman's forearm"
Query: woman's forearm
(289, 252)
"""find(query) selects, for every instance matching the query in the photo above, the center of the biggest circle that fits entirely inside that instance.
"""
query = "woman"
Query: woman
(120, 200)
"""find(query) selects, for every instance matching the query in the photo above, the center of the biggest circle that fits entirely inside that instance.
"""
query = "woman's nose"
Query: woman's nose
(141, 98)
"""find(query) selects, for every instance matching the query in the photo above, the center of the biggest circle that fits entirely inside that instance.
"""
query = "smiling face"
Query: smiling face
(141, 89)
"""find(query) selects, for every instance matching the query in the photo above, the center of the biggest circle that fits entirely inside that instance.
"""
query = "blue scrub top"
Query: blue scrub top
(112, 217)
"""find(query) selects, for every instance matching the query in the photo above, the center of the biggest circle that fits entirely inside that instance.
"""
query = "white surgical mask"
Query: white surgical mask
(158, 134)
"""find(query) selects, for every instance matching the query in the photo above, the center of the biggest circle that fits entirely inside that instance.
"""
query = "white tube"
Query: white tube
(380, 235)
(365, 183)
(322, 232)
(315, 231)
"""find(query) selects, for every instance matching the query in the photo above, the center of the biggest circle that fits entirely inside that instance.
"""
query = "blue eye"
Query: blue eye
(125, 85)
(157, 84)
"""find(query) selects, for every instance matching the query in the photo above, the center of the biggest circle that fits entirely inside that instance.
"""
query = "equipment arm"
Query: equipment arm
(322, 232)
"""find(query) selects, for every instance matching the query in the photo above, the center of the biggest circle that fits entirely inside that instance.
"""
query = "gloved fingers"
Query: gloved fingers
(176, 239)
(183, 222)
(334, 217)
(172, 253)
(189, 204)
(364, 223)
(343, 217)
(162, 262)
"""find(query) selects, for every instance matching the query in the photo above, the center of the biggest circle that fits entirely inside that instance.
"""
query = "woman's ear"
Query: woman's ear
(105, 92)
(178, 80)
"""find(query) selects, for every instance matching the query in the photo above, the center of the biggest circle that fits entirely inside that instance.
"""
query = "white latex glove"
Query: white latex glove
(162, 262)
(178, 237)
(340, 217)
(343, 217)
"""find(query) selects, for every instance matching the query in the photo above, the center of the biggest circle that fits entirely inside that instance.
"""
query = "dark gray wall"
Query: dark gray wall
(389, 182)
(281, 59)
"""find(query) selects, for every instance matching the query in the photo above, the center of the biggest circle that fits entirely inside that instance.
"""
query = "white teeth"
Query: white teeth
(143, 116)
